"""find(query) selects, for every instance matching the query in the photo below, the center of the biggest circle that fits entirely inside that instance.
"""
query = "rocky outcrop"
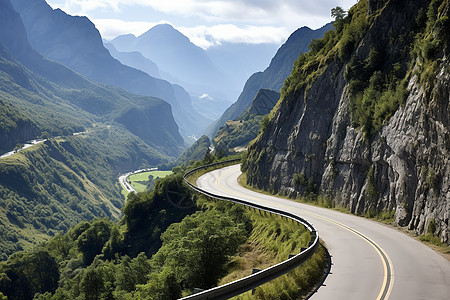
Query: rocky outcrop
(403, 169)
(274, 76)
(374, 5)
(406, 168)
(263, 103)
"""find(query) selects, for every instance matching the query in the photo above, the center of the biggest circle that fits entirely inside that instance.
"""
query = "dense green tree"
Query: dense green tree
(91, 242)
(28, 273)
(199, 247)
(338, 13)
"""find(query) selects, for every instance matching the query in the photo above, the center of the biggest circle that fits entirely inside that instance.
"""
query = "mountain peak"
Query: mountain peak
(165, 32)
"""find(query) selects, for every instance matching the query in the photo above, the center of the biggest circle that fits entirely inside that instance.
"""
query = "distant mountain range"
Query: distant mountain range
(236, 134)
(240, 60)
(135, 60)
(272, 77)
(76, 43)
(93, 133)
(182, 62)
(73, 101)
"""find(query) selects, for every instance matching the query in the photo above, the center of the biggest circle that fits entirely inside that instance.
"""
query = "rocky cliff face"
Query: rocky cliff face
(402, 169)
(273, 77)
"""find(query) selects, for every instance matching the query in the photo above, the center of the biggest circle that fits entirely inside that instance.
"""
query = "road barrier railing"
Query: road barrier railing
(252, 281)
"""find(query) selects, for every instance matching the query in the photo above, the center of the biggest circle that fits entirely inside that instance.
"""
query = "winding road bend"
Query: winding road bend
(369, 260)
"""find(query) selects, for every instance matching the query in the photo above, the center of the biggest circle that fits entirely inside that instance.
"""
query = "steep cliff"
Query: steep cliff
(364, 118)
(273, 76)
(238, 133)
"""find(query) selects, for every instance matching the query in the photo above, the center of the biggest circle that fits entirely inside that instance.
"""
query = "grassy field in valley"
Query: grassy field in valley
(140, 181)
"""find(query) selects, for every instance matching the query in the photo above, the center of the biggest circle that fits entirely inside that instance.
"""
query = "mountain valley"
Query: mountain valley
(353, 116)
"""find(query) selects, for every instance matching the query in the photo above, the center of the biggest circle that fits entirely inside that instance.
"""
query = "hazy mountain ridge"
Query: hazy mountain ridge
(273, 76)
(76, 43)
(67, 179)
(182, 62)
(240, 60)
(135, 60)
(240, 132)
(370, 128)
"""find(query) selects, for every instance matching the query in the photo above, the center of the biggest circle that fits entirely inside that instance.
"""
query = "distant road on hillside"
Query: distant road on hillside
(25, 146)
(369, 260)
(126, 185)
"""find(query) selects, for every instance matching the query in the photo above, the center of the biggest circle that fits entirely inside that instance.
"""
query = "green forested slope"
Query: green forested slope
(168, 242)
(50, 187)
(53, 185)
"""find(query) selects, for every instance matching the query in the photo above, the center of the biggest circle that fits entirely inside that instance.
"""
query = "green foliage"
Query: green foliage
(372, 190)
(28, 273)
(147, 215)
(196, 152)
(353, 31)
(339, 43)
(431, 228)
(162, 285)
(432, 41)
(375, 95)
(429, 178)
(307, 185)
(338, 13)
(199, 247)
(50, 187)
(264, 122)
(91, 242)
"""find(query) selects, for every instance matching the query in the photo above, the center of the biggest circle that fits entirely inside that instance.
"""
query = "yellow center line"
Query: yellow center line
(388, 280)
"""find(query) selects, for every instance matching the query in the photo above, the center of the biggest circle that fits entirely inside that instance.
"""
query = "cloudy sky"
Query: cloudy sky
(206, 22)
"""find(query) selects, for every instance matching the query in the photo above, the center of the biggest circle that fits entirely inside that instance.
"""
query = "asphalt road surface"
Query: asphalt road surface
(369, 260)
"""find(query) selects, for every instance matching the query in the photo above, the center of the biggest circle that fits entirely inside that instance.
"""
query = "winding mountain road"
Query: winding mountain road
(369, 260)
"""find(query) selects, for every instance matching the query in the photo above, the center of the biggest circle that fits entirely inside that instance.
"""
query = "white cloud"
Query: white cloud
(249, 21)
(111, 28)
(202, 36)
(206, 36)
(206, 96)
(222, 11)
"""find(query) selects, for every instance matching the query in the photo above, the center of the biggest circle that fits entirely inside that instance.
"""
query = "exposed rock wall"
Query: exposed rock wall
(374, 5)
(404, 168)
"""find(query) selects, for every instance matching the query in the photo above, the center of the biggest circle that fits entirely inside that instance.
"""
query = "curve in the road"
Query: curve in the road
(388, 280)
(252, 281)
(362, 268)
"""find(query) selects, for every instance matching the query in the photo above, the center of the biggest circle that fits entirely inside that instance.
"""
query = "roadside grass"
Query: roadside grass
(272, 240)
(386, 218)
(435, 243)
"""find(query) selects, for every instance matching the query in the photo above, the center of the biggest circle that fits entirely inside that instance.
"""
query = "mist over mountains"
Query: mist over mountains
(76, 43)
(58, 79)
(182, 62)
(274, 75)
